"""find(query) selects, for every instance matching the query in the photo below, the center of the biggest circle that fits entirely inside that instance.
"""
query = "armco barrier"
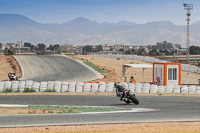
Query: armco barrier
(59, 86)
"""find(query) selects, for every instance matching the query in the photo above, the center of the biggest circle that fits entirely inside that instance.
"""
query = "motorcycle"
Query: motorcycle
(128, 98)
(12, 77)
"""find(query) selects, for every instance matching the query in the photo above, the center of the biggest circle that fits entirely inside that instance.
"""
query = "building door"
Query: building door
(172, 74)
(159, 72)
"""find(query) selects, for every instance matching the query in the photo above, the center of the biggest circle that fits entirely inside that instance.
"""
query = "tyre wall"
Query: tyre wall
(58, 86)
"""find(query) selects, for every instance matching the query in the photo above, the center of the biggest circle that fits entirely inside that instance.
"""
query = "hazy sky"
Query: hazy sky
(139, 11)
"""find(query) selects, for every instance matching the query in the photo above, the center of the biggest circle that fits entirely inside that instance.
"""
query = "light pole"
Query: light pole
(188, 7)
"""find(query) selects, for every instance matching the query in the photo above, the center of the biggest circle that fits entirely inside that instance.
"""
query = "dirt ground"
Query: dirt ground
(111, 65)
(114, 68)
(15, 110)
(168, 127)
(8, 65)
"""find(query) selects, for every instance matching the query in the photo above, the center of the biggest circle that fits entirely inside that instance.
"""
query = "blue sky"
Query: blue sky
(139, 11)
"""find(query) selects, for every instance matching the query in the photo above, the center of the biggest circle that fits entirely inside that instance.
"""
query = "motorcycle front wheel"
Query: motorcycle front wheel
(134, 99)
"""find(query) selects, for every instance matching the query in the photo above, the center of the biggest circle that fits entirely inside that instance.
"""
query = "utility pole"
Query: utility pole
(188, 7)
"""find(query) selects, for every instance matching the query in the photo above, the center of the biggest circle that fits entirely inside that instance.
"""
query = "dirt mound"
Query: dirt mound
(8, 64)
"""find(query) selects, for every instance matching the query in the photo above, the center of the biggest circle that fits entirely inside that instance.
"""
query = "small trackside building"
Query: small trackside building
(167, 73)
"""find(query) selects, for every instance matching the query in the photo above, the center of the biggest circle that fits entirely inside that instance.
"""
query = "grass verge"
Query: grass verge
(54, 109)
(28, 90)
(48, 90)
(75, 109)
(8, 90)
(92, 66)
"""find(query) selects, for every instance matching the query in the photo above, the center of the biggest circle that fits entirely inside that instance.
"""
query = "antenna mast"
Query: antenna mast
(188, 7)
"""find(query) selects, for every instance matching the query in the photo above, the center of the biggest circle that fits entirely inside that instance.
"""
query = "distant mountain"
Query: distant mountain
(198, 22)
(81, 22)
(15, 20)
(82, 31)
(124, 23)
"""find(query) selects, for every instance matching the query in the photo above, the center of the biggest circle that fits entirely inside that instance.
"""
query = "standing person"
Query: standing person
(132, 80)
(158, 81)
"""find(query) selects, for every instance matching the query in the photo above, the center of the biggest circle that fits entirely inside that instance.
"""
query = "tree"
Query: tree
(50, 48)
(87, 48)
(8, 52)
(121, 49)
(161, 51)
(173, 52)
(140, 50)
(127, 52)
(153, 52)
(27, 44)
(166, 52)
(132, 50)
(99, 48)
(194, 50)
(56, 47)
(40, 48)
(5, 51)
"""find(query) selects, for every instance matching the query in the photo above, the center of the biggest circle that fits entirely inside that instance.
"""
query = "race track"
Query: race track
(52, 68)
(167, 108)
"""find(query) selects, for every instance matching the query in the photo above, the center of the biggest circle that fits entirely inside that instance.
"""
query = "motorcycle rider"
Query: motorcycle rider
(120, 89)
(12, 77)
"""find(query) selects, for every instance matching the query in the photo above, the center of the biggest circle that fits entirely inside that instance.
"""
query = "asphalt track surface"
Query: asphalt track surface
(53, 68)
(166, 108)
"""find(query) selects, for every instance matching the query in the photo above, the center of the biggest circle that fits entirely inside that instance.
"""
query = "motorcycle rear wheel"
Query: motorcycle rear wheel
(127, 102)
(134, 99)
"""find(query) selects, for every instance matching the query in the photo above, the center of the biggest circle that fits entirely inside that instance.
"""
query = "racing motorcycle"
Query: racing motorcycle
(12, 77)
(126, 96)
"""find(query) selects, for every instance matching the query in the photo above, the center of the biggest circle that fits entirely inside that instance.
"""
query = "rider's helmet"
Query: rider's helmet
(116, 84)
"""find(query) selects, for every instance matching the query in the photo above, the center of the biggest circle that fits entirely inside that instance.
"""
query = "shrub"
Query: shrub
(29, 90)
(48, 90)
(17, 91)
(8, 90)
